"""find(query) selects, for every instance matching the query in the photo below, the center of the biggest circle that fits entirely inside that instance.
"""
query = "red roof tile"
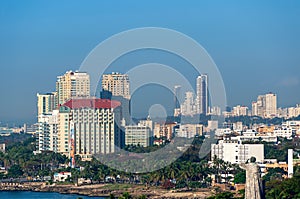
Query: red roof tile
(92, 103)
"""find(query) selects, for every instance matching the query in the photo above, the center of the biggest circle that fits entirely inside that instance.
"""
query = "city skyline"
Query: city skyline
(254, 56)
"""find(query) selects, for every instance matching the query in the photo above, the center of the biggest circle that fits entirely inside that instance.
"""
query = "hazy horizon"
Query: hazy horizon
(255, 44)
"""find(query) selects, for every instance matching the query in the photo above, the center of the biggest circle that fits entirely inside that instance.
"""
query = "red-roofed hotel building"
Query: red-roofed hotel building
(94, 124)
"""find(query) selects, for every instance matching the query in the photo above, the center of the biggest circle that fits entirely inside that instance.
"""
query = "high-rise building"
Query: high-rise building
(271, 105)
(43, 133)
(117, 84)
(202, 94)
(94, 124)
(46, 103)
(72, 85)
(240, 110)
(177, 100)
(177, 96)
(46, 133)
(254, 108)
(265, 106)
(188, 106)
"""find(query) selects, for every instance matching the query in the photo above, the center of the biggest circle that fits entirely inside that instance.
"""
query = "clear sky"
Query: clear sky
(255, 43)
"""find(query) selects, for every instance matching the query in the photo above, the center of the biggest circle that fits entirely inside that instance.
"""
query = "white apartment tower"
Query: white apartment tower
(72, 85)
(46, 103)
(188, 107)
(271, 105)
(202, 94)
(117, 84)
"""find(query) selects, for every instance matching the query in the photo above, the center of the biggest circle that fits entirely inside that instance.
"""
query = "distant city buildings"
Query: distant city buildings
(72, 122)
(188, 106)
(190, 130)
(193, 105)
(265, 106)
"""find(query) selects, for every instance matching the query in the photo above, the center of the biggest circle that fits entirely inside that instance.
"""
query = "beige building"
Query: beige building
(117, 84)
(240, 110)
(46, 103)
(271, 105)
(72, 84)
(265, 106)
(190, 130)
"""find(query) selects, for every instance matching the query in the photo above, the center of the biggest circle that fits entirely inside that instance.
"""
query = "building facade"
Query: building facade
(202, 94)
(46, 103)
(235, 152)
(72, 85)
(95, 125)
(265, 106)
(116, 83)
(138, 135)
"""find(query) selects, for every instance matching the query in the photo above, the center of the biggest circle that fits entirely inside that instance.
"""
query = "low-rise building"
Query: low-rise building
(235, 152)
(138, 135)
(61, 177)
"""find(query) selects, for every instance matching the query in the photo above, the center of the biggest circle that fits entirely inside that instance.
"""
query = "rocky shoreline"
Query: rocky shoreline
(104, 190)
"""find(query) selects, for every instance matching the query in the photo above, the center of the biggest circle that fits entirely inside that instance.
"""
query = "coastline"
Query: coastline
(104, 190)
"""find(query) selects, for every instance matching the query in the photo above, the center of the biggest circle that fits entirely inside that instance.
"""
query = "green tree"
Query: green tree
(240, 178)
(15, 171)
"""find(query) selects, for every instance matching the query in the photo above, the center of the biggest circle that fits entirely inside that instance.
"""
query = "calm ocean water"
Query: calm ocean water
(40, 195)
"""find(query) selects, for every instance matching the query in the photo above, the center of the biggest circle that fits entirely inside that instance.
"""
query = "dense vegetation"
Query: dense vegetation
(21, 161)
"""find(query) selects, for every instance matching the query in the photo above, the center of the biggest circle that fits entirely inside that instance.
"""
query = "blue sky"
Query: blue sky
(255, 44)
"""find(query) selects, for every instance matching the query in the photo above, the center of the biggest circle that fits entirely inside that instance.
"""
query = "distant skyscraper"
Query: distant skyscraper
(117, 84)
(271, 105)
(46, 103)
(177, 100)
(202, 94)
(265, 106)
(254, 108)
(188, 107)
(177, 96)
(72, 85)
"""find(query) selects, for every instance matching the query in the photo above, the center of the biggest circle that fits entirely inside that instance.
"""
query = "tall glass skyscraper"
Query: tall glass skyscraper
(202, 94)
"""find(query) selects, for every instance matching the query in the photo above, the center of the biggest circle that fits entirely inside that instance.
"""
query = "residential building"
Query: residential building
(265, 106)
(240, 110)
(190, 130)
(117, 84)
(46, 103)
(188, 106)
(202, 94)
(271, 105)
(235, 152)
(72, 85)
(138, 135)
